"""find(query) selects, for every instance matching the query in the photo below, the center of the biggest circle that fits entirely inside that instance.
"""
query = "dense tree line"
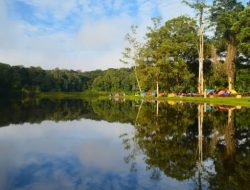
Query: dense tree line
(114, 80)
(21, 80)
(34, 79)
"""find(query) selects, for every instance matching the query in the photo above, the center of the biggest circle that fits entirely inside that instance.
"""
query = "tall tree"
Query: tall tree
(167, 53)
(152, 56)
(224, 15)
(199, 6)
(131, 54)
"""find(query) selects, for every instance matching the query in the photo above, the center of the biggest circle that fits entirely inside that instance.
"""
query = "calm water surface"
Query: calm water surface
(77, 144)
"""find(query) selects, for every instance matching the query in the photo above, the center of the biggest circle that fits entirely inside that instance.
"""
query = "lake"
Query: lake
(120, 144)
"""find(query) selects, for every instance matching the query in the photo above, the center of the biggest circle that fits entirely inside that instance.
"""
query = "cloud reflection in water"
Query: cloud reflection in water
(81, 154)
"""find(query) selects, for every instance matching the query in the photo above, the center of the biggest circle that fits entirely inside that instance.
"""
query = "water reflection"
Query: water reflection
(202, 148)
(143, 145)
(57, 156)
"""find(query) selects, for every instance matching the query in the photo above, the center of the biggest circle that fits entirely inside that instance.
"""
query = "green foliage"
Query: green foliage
(167, 55)
(28, 81)
(231, 22)
(115, 80)
(17, 79)
(4, 77)
(242, 28)
(224, 14)
(243, 80)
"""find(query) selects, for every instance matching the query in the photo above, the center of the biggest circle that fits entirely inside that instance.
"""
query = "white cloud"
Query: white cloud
(96, 44)
(103, 35)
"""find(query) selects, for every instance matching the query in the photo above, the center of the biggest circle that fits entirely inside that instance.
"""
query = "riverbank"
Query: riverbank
(72, 95)
(233, 101)
(244, 101)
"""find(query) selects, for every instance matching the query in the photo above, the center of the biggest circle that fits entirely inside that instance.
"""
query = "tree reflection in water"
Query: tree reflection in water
(171, 136)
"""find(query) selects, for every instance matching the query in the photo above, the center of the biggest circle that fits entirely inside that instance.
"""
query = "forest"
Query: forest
(19, 80)
(213, 48)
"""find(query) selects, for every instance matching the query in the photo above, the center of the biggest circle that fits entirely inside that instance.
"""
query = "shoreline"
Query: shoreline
(233, 101)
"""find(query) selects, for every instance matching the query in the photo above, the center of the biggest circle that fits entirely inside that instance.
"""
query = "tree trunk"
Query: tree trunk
(201, 58)
(230, 83)
(201, 52)
(137, 80)
(231, 52)
(157, 109)
(157, 88)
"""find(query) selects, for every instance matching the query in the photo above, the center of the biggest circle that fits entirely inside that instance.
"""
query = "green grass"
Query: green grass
(244, 101)
(71, 95)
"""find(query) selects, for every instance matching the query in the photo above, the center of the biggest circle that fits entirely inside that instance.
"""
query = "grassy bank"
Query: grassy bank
(244, 101)
(72, 95)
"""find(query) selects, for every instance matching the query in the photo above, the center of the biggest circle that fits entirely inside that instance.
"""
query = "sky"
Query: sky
(75, 34)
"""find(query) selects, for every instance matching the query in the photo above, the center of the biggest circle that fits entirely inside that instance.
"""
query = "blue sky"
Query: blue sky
(75, 34)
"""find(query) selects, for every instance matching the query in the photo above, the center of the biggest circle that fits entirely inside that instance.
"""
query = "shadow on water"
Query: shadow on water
(204, 145)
